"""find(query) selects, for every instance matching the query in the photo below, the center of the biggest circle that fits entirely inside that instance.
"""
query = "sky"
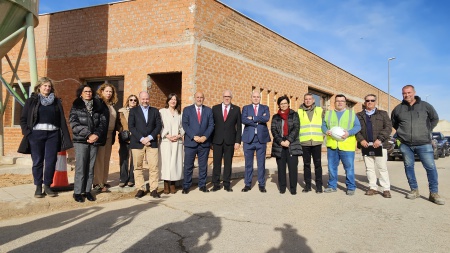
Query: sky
(358, 36)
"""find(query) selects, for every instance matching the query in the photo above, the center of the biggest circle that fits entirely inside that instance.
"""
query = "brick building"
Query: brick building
(180, 46)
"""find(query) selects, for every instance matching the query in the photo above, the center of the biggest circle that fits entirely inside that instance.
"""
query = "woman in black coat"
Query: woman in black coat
(89, 126)
(286, 145)
(43, 125)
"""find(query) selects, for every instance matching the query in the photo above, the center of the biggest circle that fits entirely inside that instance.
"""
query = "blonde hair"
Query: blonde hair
(113, 100)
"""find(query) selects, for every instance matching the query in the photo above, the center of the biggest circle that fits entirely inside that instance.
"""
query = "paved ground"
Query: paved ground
(245, 222)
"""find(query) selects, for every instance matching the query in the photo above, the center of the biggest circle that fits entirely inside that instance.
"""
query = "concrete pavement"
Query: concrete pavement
(247, 222)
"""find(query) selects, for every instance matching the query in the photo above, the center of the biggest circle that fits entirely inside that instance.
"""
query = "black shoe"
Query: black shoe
(155, 194)
(282, 191)
(140, 194)
(293, 193)
(38, 193)
(89, 196)
(49, 191)
(228, 188)
(185, 191)
(306, 190)
(203, 189)
(262, 189)
(216, 188)
(319, 190)
(78, 198)
(246, 189)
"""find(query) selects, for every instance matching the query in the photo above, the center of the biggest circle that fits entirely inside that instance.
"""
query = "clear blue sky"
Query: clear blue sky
(358, 36)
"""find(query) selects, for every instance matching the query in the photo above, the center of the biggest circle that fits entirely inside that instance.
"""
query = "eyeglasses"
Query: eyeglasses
(370, 100)
(132, 100)
(340, 101)
(227, 96)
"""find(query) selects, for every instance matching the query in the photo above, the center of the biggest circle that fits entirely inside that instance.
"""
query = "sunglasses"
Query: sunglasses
(370, 100)
(132, 100)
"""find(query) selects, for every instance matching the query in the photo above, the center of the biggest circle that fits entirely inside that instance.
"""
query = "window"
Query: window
(17, 107)
(321, 99)
(117, 82)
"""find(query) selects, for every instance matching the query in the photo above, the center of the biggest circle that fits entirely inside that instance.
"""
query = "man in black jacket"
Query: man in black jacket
(414, 121)
(376, 127)
(227, 138)
(145, 124)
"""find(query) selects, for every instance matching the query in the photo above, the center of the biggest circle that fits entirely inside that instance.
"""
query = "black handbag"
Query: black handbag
(124, 136)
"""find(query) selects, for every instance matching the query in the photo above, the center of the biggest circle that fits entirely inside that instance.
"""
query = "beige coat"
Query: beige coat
(171, 153)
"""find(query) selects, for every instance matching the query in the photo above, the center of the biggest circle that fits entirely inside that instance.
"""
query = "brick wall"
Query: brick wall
(213, 47)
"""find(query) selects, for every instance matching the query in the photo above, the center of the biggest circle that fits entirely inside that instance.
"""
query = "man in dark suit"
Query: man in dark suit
(255, 137)
(198, 125)
(145, 124)
(226, 139)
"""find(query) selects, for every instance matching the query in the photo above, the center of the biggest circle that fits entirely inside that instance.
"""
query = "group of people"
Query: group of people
(169, 141)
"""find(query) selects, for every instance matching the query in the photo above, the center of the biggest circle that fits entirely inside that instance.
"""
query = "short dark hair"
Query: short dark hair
(81, 88)
(283, 98)
(340, 96)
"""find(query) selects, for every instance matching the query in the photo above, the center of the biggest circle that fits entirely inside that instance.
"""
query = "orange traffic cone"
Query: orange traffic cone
(60, 179)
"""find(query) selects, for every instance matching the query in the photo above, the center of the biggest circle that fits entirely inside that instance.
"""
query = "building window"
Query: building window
(117, 82)
(321, 99)
(17, 107)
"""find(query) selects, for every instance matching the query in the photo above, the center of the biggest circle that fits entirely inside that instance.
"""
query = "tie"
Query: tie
(199, 116)
(225, 113)
(256, 110)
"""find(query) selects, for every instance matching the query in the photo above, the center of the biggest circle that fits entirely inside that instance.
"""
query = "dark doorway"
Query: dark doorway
(161, 85)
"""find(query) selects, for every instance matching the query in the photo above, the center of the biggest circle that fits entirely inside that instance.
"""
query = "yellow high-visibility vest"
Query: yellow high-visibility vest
(310, 130)
(346, 121)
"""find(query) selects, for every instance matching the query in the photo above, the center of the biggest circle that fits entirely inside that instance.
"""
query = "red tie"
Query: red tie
(225, 113)
(199, 116)
(256, 110)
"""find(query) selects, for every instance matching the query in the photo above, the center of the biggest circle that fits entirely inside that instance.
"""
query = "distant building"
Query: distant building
(179, 46)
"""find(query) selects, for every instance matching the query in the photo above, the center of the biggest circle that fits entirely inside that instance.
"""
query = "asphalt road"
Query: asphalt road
(248, 222)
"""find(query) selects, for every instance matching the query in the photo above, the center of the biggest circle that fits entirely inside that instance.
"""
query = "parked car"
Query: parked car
(442, 143)
(395, 152)
(448, 141)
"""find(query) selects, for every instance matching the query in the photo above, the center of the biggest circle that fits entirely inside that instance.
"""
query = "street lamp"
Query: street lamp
(389, 87)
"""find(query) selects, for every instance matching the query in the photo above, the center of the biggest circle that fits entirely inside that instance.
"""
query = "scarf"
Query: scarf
(284, 115)
(89, 105)
(47, 100)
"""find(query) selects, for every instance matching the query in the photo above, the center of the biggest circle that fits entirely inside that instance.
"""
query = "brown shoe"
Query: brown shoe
(173, 190)
(371, 192)
(387, 194)
(166, 187)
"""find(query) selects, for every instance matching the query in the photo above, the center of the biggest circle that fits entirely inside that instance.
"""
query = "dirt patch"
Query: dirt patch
(7, 180)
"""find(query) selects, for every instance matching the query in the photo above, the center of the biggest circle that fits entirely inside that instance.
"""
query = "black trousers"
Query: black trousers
(292, 163)
(226, 152)
(316, 153)
(44, 146)
(126, 163)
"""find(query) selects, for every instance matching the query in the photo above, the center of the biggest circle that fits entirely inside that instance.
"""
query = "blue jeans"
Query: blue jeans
(348, 160)
(426, 156)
